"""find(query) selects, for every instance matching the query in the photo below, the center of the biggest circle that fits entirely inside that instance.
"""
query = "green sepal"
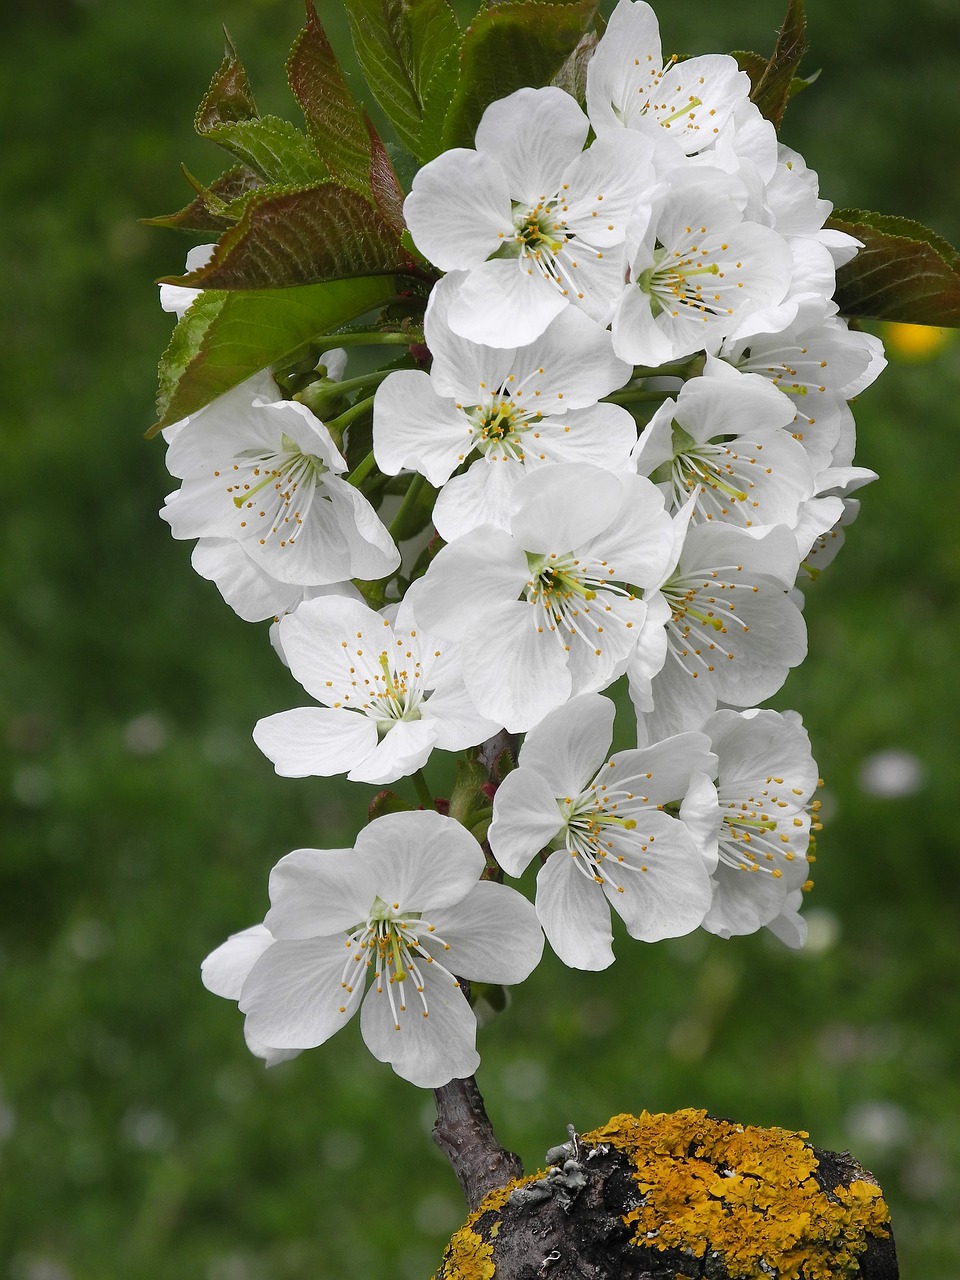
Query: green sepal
(467, 799)
(488, 1000)
(212, 210)
(904, 272)
(774, 81)
(227, 337)
(374, 592)
(300, 237)
(336, 123)
(508, 47)
(387, 802)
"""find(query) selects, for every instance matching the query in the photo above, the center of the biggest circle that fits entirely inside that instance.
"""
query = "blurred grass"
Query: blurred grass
(137, 1137)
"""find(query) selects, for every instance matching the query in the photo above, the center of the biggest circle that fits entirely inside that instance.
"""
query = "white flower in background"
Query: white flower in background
(765, 783)
(613, 845)
(536, 221)
(721, 441)
(723, 628)
(517, 408)
(629, 84)
(395, 924)
(388, 694)
(551, 608)
(698, 271)
(818, 364)
(266, 474)
(176, 297)
(225, 970)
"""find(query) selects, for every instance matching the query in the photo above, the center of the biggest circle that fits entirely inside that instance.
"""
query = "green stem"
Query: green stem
(350, 415)
(359, 384)
(423, 791)
(409, 500)
(373, 338)
(362, 470)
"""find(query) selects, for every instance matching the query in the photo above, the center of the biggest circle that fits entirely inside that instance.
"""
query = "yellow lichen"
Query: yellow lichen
(747, 1194)
(468, 1257)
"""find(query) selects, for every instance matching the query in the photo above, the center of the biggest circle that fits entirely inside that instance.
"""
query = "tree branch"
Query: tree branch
(464, 1134)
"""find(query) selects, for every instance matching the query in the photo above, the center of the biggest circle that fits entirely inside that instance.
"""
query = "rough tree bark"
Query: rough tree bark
(673, 1197)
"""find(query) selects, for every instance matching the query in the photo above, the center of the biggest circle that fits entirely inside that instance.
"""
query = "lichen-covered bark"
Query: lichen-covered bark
(681, 1197)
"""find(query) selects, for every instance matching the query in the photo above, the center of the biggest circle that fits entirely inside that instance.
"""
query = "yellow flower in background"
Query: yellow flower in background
(915, 341)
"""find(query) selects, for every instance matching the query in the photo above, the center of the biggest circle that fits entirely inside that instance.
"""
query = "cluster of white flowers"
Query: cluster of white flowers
(659, 254)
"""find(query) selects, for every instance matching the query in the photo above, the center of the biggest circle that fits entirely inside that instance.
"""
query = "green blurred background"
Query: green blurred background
(138, 1138)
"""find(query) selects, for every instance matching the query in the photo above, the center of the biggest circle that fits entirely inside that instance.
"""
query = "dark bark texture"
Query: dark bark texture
(598, 1212)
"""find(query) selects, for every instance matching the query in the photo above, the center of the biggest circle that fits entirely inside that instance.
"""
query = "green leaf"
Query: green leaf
(334, 119)
(904, 272)
(773, 85)
(384, 187)
(226, 337)
(506, 48)
(229, 97)
(211, 210)
(274, 148)
(300, 237)
(402, 46)
(184, 347)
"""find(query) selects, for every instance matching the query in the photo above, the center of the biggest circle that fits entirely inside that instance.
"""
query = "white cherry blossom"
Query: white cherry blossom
(266, 474)
(388, 696)
(630, 84)
(551, 608)
(731, 632)
(517, 408)
(225, 970)
(613, 845)
(698, 271)
(722, 441)
(765, 782)
(390, 927)
(536, 221)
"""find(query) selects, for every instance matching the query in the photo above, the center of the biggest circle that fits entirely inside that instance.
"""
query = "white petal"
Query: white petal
(493, 935)
(505, 303)
(458, 209)
(318, 892)
(293, 997)
(454, 719)
(663, 890)
(533, 134)
(315, 742)
(526, 817)
(249, 591)
(403, 750)
(514, 673)
(466, 580)
(574, 914)
(420, 859)
(332, 644)
(461, 369)
(559, 508)
(417, 429)
(661, 772)
(428, 1051)
(570, 744)
(225, 969)
(484, 494)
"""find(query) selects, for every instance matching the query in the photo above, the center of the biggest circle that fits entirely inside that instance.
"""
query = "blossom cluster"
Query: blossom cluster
(632, 400)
